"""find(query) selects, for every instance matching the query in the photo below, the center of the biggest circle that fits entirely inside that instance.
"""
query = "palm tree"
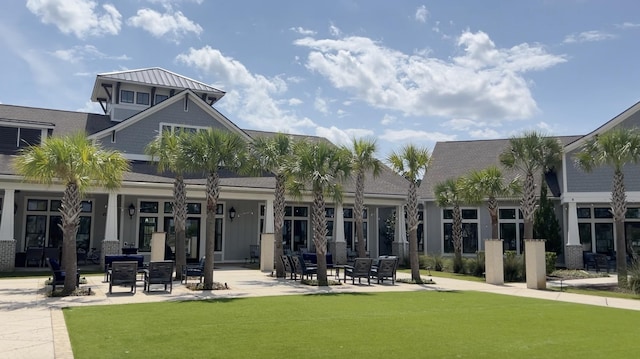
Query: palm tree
(322, 166)
(614, 148)
(271, 154)
(210, 151)
(79, 164)
(531, 153)
(489, 183)
(411, 163)
(167, 148)
(449, 194)
(363, 161)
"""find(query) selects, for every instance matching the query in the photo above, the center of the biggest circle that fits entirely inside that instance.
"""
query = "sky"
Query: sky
(398, 72)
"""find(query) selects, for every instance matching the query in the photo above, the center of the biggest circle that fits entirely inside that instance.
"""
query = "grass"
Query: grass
(373, 325)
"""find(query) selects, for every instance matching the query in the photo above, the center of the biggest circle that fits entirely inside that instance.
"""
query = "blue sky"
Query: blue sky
(397, 71)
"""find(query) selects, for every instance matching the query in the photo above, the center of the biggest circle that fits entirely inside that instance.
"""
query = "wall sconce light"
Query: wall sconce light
(232, 213)
(132, 210)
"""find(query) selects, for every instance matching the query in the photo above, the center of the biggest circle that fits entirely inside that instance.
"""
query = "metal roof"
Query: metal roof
(153, 76)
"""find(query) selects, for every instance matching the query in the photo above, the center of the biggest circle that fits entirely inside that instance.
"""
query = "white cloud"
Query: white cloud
(303, 31)
(588, 36)
(335, 31)
(295, 101)
(171, 24)
(387, 120)
(421, 14)
(485, 133)
(77, 17)
(342, 137)
(415, 135)
(90, 107)
(321, 105)
(80, 53)
(254, 98)
(628, 25)
(484, 82)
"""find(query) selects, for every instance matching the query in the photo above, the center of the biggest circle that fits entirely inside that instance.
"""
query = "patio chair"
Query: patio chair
(288, 267)
(52, 252)
(254, 252)
(33, 255)
(191, 270)
(361, 268)
(300, 267)
(59, 275)
(160, 272)
(123, 273)
(386, 268)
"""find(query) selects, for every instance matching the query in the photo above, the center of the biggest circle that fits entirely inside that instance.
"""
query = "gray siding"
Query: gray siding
(135, 137)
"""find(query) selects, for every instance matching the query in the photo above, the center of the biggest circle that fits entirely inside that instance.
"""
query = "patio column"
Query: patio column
(111, 243)
(573, 252)
(267, 240)
(535, 263)
(400, 239)
(338, 246)
(7, 240)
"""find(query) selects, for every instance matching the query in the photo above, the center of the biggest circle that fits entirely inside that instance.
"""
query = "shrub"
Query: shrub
(634, 278)
(513, 267)
(550, 259)
(476, 266)
(458, 265)
(434, 262)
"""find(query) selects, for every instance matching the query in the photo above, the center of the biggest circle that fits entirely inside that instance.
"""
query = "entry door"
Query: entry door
(192, 235)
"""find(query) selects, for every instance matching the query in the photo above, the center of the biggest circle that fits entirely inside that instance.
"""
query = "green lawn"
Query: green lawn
(421, 324)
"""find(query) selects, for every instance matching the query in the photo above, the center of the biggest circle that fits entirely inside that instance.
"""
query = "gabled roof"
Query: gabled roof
(153, 76)
(62, 122)
(605, 127)
(456, 158)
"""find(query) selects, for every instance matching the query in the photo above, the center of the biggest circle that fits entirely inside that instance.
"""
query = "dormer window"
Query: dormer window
(160, 98)
(142, 98)
(126, 96)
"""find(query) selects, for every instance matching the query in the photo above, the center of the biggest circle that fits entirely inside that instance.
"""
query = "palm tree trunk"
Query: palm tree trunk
(493, 213)
(619, 209)
(278, 218)
(319, 221)
(180, 217)
(528, 205)
(457, 237)
(358, 213)
(412, 221)
(70, 213)
(213, 192)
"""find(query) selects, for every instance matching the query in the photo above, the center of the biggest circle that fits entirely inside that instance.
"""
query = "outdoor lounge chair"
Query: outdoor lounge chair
(191, 270)
(300, 267)
(288, 267)
(59, 275)
(361, 268)
(123, 273)
(254, 252)
(160, 272)
(386, 268)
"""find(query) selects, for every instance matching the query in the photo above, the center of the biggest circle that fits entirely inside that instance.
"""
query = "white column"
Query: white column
(268, 217)
(573, 235)
(7, 220)
(338, 225)
(401, 226)
(111, 226)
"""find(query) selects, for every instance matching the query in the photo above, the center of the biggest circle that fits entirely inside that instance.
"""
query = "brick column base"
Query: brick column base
(7, 255)
(573, 256)
(109, 247)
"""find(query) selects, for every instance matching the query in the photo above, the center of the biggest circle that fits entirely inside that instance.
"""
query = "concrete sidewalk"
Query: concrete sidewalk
(33, 325)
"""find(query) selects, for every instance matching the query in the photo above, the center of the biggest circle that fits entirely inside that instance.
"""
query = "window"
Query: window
(175, 128)
(43, 219)
(126, 96)
(142, 98)
(160, 98)
(511, 227)
(602, 213)
(469, 230)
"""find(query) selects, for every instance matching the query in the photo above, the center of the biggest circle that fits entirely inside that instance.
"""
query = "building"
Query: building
(582, 199)
(137, 105)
